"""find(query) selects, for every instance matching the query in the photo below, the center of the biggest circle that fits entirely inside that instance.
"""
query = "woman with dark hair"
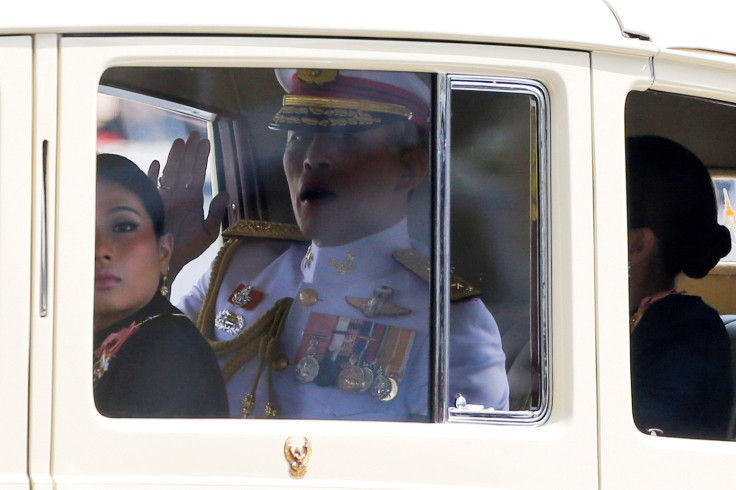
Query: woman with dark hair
(680, 351)
(150, 360)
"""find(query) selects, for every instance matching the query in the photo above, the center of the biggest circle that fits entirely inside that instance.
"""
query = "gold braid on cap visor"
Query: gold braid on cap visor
(324, 111)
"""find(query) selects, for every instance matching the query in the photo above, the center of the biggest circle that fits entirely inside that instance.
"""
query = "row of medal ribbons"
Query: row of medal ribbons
(354, 354)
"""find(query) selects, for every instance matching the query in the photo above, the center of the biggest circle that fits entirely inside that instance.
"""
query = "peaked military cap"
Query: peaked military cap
(349, 99)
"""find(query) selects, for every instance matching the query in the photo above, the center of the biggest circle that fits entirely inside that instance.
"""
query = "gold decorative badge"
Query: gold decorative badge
(313, 75)
(298, 452)
(421, 266)
(345, 266)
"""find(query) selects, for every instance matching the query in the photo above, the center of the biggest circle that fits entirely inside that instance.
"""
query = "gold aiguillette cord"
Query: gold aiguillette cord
(262, 338)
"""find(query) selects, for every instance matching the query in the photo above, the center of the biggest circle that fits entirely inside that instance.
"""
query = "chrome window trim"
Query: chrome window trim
(445, 86)
(440, 251)
(157, 103)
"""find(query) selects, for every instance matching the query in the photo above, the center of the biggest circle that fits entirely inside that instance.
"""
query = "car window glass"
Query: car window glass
(496, 242)
(680, 219)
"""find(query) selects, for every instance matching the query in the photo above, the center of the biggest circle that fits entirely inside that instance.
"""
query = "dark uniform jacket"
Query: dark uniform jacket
(164, 369)
(681, 369)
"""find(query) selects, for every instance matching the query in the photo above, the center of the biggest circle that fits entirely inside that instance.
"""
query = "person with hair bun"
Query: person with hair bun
(680, 351)
(149, 359)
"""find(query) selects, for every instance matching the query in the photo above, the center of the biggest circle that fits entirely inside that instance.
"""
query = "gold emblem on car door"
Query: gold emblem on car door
(298, 451)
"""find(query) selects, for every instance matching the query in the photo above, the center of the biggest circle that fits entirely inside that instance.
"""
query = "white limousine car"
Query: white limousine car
(438, 258)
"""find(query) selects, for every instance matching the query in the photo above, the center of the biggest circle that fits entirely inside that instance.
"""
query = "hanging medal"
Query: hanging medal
(384, 388)
(354, 377)
(308, 367)
(391, 362)
(350, 376)
(331, 363)
(369, 377)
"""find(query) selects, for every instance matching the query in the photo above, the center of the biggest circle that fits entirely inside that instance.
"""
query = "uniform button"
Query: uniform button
(308, 297)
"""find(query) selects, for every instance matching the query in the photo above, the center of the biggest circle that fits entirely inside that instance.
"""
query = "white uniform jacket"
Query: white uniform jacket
(331, 275)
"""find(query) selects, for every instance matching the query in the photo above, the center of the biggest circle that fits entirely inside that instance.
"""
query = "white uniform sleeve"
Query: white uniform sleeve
(477, 361)
(191, 303)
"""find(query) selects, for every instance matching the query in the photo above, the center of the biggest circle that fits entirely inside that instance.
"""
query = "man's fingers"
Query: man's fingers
(153, 171)
(186, 165)
(189, 160)
(194, 161)
(217, 210)
(200, 162)
(173, 163)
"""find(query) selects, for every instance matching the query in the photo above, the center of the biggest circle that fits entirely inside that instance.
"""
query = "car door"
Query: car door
(687, 97)
(548, 439)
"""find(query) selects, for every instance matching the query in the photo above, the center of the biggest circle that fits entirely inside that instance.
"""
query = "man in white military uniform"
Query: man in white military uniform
(330, 320)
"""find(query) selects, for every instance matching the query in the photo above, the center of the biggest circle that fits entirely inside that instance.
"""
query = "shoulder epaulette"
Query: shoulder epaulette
(249, 228)
(420, 265)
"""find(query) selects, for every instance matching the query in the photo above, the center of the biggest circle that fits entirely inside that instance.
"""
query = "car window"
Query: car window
(323, 301)
(498, 246)
(679, 187)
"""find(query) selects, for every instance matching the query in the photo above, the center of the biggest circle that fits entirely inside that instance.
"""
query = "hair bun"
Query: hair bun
(706, 250)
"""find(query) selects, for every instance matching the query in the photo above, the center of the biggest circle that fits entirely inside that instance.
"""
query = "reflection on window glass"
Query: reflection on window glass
(140, 131)
(144, 133)
(725, 195)
(494, 243)
(681, 354)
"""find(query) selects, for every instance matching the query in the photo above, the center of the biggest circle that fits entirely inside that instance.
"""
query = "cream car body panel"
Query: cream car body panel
(16, 95)
(51, 61)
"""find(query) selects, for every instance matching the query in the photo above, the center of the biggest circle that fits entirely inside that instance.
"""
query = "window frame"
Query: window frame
(539, 298)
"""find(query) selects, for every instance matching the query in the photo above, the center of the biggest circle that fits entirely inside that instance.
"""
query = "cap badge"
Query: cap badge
(316, 76)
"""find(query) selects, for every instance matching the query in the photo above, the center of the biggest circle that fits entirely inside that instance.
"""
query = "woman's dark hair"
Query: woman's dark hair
(670, 192)
(120, 170)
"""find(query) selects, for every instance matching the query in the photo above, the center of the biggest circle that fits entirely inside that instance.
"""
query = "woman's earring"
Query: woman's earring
(629, 270)
(165, 290)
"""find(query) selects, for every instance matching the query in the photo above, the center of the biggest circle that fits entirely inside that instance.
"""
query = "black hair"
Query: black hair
(670, 191)
(120, 170)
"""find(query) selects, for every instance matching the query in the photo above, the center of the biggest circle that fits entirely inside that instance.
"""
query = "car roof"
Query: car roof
(573, 24)
(705, 25)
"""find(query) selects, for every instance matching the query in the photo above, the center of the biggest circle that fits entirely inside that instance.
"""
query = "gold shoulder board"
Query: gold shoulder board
(246, 228)
(420, 265)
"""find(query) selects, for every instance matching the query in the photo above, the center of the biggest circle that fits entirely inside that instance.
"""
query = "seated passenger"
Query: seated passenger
(331, 320)
(150, 360)
(680, 351)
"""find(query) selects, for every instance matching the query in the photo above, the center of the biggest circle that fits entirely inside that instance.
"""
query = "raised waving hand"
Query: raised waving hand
(180, 186)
